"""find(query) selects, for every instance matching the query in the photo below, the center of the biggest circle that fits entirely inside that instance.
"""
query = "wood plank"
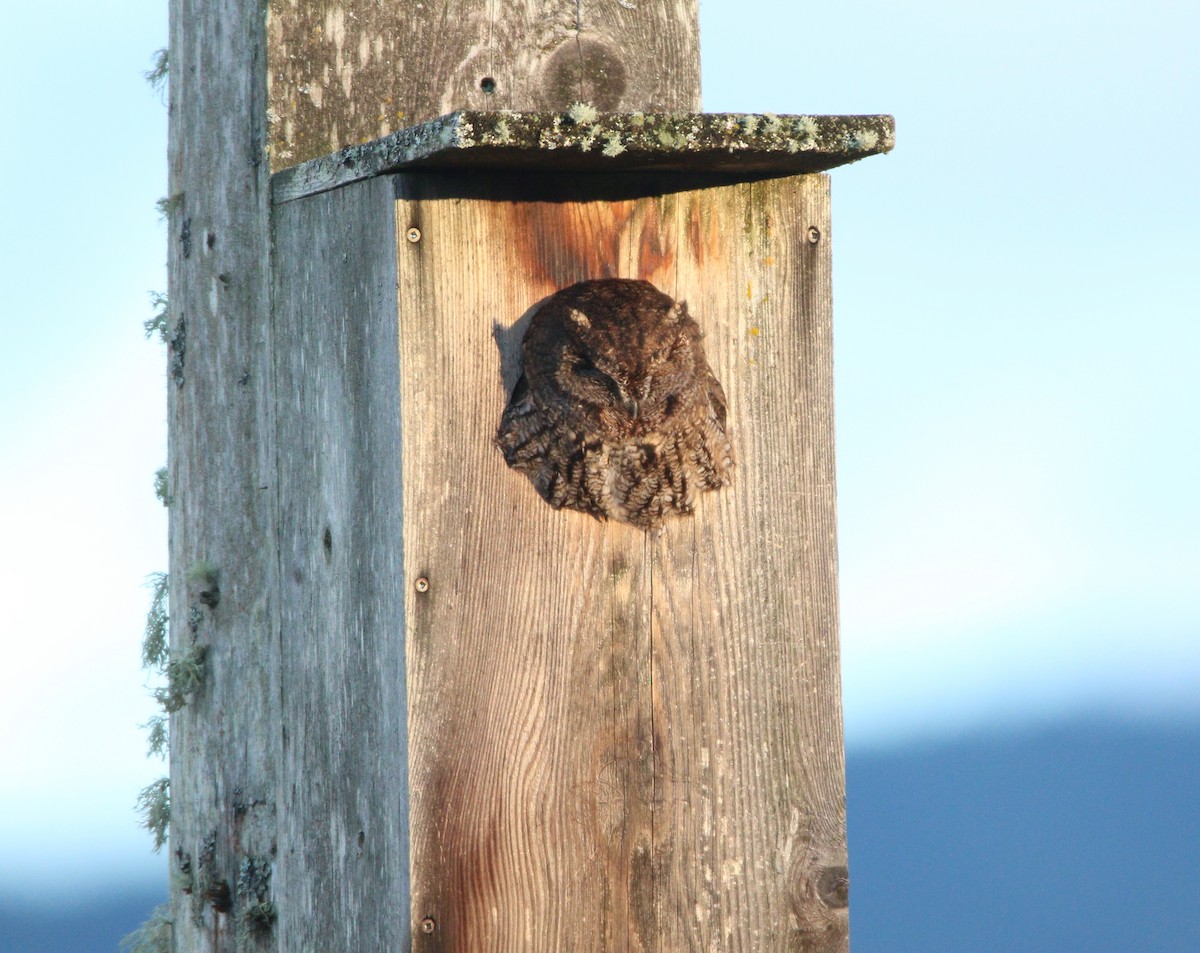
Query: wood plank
(347, 72)
(244, 95)
(342, 869)
(739, 147)
(221, 461)
(621, 741)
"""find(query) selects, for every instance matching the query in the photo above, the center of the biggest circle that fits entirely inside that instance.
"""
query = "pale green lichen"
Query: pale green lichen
(157, 736)
(153, 936)
(157, 74)
(154, 804)
(185, 677)
(612, 145)
(863, 140)
(162, 486)
(154, 640)
(157, 322)
(167, 205)
(748, 124)
(207, 577)
(805, 127)
(583, 114)
(771, 124)
(502, 133)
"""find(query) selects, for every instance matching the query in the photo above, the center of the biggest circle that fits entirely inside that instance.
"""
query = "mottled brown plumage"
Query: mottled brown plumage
(617, 413)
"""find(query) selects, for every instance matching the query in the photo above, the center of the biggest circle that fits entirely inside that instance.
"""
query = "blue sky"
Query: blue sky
(1018, 357)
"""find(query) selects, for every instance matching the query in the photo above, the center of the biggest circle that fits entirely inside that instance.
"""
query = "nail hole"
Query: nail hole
(488, 85)
(327, 542)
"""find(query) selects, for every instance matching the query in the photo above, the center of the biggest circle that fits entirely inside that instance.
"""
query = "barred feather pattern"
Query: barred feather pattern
(617, 412)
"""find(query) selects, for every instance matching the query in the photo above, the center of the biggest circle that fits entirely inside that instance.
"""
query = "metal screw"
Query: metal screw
(414, 234)
(423, 586)
(428, 925)
(814, 234)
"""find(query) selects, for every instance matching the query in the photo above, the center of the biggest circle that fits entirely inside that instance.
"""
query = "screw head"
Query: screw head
(413, 234)
(814, 234)
(423, 584)
(428, 925)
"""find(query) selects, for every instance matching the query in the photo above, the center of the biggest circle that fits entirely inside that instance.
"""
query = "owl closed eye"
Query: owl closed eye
(617, 412)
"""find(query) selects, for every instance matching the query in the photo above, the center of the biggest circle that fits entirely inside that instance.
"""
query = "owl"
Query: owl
(617, 412)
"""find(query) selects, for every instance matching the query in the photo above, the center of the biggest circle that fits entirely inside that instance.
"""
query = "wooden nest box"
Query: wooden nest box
(616, 739)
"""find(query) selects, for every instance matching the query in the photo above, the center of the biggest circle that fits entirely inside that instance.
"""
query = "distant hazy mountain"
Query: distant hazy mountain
(59, 925)
(1075, 839)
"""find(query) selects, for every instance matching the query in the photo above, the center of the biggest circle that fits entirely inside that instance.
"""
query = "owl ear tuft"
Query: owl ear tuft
(579, 317)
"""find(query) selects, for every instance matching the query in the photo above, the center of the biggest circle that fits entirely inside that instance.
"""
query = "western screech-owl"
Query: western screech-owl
(616, 412)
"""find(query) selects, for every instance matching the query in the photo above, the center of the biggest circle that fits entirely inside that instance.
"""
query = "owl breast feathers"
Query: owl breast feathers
(617, 413)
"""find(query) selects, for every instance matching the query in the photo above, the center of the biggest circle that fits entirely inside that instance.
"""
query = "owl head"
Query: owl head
(620, 351)
(617, 413)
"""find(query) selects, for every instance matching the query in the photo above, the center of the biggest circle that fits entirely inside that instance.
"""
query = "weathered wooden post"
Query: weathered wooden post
(438, 714)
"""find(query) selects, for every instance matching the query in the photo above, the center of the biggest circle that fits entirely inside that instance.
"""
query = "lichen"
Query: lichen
(157, 322)
(154, 639)
(158, 72)
(207, 577)
(583, 114)
(863, 140)
(157, 736)
(256, 920)
(185, 676)
(805, 127)
(168, 204)
(613, 146)
(153, 936)
(162, 487)
(154, 804)
(258, 915)
(181, 875)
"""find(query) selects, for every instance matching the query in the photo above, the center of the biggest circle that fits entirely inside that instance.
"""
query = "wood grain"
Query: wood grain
(621, 741)
(345, 72)
(221, 464)
(342, 870)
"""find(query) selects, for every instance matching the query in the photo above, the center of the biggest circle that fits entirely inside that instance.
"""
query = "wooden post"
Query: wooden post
(255, 88)
(435, 713)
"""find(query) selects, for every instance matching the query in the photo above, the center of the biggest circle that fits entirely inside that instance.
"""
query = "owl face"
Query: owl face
(617, 413)
(622, 372)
